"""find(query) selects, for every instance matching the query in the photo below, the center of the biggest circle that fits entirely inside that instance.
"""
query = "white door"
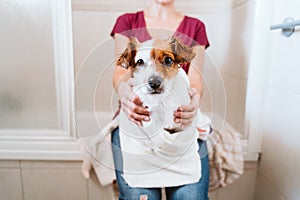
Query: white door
(279, 176)
(285, 51)
(274, 63)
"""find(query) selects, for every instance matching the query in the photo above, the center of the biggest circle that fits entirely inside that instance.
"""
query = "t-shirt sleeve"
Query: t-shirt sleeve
(200, 37)
(122, 26)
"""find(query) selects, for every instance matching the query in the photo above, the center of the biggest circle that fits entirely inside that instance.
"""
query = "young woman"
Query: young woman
(160, 15)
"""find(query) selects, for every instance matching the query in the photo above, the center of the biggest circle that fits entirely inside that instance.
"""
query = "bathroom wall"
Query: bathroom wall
(48, 180)
(230, 33)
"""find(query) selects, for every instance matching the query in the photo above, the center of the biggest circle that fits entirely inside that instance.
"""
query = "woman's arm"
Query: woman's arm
(130, 103)
(195, 70)
(186, 113)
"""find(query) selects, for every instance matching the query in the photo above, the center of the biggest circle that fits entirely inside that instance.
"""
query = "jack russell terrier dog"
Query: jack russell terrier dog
(162, 85)
(157, 78)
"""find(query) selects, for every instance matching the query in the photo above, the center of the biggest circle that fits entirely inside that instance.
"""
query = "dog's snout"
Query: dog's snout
(155, 82)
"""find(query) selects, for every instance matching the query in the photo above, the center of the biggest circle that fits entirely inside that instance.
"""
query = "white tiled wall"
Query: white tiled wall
(10, 181)
(57, 180)
(45, 180)
(230, 37)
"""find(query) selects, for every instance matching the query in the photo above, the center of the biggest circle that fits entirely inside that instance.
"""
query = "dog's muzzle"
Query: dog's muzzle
(155, 83)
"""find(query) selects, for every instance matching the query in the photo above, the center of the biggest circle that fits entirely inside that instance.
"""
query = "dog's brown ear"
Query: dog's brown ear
(126, 59)
(182, 52)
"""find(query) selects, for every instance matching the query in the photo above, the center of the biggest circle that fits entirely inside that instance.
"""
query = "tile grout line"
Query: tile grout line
(21, 177)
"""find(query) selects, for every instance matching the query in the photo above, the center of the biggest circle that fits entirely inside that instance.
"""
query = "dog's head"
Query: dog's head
(155, 63)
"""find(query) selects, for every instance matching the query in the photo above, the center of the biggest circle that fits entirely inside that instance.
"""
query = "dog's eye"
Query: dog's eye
(140, 62)
(168, 61)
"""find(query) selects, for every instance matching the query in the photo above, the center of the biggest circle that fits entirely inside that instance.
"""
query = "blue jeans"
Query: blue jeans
(195, 191)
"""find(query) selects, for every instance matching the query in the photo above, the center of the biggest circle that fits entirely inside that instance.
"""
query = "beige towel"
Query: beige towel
(225, 157)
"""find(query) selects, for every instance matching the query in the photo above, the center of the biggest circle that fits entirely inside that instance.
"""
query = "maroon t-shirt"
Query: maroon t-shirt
(191, 31)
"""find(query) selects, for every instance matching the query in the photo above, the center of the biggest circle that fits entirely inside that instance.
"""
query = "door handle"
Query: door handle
(287, 27)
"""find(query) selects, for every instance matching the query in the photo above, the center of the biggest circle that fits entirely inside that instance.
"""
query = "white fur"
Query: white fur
(174, 93)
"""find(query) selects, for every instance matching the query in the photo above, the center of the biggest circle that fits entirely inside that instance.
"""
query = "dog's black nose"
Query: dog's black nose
(154, 82)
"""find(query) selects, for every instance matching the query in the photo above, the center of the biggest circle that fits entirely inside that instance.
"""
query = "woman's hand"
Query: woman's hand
(132, 104)
(185, 114)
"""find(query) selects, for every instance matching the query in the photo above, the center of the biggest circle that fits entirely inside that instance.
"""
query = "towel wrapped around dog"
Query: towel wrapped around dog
(165, 160)
(97, 152)
(152, 156)
(225, 154)
(162, 153)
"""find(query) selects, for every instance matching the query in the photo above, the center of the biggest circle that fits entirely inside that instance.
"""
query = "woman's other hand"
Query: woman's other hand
(185, 114)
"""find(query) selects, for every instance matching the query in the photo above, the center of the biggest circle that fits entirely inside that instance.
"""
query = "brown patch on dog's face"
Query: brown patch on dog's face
(126, 59)
(164, 59)
(169, 55)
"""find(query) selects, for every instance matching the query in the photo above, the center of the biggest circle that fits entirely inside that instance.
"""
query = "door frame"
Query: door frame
(258, 71)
